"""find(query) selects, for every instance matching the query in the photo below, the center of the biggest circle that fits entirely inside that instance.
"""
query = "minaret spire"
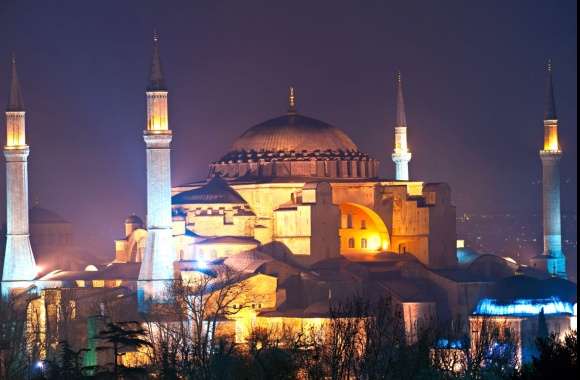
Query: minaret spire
(401, 114)
(550, 106)
(401, 154)
(19, 265)
(291, 100)
(552, 260)
(15, 102)
(156, 79)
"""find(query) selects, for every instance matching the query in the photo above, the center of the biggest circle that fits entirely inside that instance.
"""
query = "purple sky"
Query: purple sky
(473, 75)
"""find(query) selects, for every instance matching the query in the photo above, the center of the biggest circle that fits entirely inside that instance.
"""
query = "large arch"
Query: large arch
(361, 230)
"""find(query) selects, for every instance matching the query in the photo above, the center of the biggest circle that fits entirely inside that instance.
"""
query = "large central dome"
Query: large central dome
(294, 146)
(294, 133)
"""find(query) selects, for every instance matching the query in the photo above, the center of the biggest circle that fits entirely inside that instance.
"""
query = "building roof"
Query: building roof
(293, 133)
(41, 215)
(215, 191)
(410, 290)
(229, 240)
(114, 271)
(133, 219)
(520, 287)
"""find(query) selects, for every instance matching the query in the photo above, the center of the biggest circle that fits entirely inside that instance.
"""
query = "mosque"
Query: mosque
(298, 208)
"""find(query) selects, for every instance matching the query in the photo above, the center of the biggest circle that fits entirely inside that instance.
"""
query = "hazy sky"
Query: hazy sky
(473, 75)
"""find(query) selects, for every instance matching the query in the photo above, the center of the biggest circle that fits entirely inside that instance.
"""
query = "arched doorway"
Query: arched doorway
(361, 230)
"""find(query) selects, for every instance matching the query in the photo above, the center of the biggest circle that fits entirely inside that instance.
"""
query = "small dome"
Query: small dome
(133, 219)
(524, 287)
(41, 215)
(215, 191)
(294, 132)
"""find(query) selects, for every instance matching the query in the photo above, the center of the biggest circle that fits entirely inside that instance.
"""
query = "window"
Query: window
(363, 224)
(363, 243)
(351, 243)
(349, 221)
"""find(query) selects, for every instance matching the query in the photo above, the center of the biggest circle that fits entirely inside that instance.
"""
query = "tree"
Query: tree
(542, 326)
(185, 335)
(123, 335)
(555, 357)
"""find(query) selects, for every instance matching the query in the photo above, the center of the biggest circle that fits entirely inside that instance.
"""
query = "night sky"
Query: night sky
(473, 74)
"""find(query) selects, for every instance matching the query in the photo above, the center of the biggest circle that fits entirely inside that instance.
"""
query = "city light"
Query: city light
(522, 307)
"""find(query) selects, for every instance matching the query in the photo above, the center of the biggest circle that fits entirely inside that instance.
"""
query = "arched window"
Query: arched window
(351, 243)
(363, 243)
(363, 224)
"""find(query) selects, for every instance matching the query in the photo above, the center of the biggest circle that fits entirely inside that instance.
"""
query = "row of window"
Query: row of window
(349, 222)
(363, 243)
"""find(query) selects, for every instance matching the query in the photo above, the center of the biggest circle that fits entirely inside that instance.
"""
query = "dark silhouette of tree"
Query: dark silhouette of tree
(556, 359)
(542, 325)
(123, 335)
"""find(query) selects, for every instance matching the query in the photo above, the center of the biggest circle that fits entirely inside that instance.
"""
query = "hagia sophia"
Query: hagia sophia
(299, 210)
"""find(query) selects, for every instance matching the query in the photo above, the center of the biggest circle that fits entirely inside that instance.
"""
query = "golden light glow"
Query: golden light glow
(551, 143)
(157, 111)
(15, 132)
(362, 230)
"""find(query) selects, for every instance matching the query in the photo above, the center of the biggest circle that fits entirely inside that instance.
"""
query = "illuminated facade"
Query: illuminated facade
(157, 262)
(511, 312)
(401, 154)
(19, 264)
(552, 260)
(298, 212)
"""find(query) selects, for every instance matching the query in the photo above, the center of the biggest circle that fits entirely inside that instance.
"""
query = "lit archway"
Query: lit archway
(361, 230)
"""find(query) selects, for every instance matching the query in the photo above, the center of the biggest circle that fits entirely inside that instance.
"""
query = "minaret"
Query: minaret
(19, 265)
(552, 259)
(401, 155)
(157, 265)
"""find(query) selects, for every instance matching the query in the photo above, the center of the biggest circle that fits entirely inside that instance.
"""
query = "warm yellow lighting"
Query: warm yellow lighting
(362, 230)
(157, 111)
(15, 132)
(551, 143)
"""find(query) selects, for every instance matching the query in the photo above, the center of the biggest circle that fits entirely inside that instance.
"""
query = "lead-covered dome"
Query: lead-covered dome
(294, 146)
(294, 133)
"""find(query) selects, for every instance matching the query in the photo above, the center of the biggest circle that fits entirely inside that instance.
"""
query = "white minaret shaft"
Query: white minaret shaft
(157, 264)
(19, 264)
(552, 259)
(401, 154)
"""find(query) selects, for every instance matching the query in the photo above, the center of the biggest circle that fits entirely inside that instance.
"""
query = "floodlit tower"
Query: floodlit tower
(401, 154)
(157, 265)
(552, 259)
(19, 264)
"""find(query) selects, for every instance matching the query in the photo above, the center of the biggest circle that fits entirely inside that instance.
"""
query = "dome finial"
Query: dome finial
(291, 100)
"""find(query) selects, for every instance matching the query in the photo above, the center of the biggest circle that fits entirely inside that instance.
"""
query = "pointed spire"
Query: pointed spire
(291, 100)
(401, 115)
(156, 80)
(550, 106)
(15, 102)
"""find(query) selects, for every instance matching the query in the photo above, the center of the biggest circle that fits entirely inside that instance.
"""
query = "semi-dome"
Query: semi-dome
(294, 133)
